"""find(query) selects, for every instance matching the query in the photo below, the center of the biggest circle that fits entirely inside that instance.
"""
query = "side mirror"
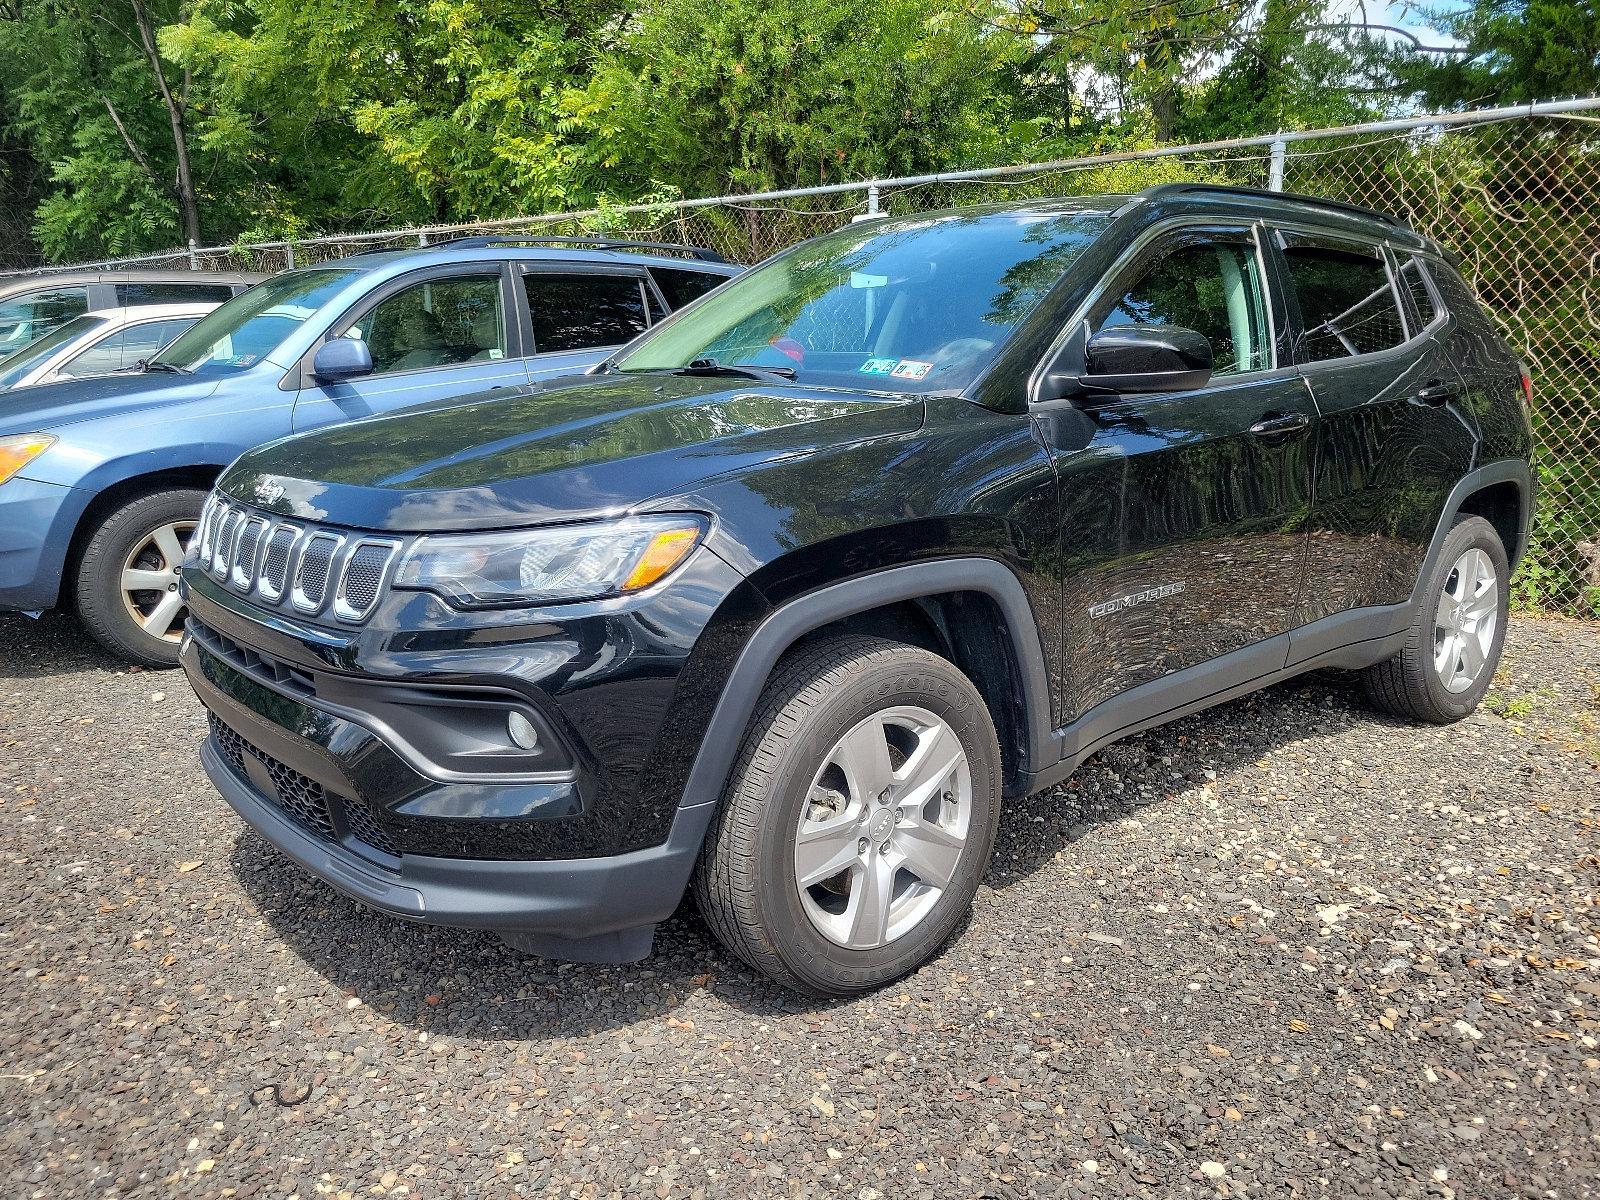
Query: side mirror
(342, 358)
(1146, 359)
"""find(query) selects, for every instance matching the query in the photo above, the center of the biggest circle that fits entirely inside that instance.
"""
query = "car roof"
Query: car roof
(491, 250)
(26, 281)
(134, 313)
(1201, 199)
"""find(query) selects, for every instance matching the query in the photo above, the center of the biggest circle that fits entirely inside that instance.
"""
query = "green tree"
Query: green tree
(710, 96)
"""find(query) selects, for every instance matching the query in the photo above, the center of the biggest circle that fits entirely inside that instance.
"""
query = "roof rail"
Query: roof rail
(702, 253)
(1162, 190)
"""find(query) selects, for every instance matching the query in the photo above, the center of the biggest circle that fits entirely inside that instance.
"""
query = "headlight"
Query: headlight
(552, 565)
(18, 452)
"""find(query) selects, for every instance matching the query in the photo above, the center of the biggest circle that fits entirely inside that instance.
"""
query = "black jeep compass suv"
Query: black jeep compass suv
(783, 600)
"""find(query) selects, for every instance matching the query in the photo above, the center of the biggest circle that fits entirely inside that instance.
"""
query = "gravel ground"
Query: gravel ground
(1282, 948)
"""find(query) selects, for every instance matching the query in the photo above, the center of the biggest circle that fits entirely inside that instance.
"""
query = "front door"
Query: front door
(1394, 435)
(1183, 515)
(434, 337)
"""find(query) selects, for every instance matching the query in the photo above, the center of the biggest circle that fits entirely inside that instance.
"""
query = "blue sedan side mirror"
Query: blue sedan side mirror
(342, 358)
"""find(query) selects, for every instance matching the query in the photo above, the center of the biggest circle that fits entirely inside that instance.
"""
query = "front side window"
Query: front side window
(920, 304)
(436, 323)
(1347, 304)
(1210, 284)
(252, 325)
(584, 312)
(30, 316)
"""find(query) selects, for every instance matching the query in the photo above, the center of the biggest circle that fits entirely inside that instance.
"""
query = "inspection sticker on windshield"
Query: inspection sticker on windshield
(878, 366)
(910, 368)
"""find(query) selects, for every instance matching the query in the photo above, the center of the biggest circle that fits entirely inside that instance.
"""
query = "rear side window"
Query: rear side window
(1210, 284)
(680, 287)
(1347, 303)
(130, 294)
(33, 314)
(584, 312)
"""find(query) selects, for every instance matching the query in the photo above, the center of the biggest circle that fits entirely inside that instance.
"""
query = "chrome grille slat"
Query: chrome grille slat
(312, 572)
(288, 564)
(275, 562)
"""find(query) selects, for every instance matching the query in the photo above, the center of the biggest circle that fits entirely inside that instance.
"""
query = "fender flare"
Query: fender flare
(797, 617)
(1505, 470)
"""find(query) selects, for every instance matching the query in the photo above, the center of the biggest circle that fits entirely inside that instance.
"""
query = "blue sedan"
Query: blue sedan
(101, 480)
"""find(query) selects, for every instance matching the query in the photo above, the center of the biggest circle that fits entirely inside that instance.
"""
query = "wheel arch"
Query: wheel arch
(1502, 493)
(918, 603)
(113, 497)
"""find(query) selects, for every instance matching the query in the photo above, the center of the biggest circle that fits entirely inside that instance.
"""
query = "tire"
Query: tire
(1450, 655)
(900, 706)
(141, 536)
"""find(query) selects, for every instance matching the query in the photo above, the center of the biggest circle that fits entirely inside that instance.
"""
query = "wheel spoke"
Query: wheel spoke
(937, 754)
(170, 544)
(159, 621)
(863, 756)
(929, 851)
(1444, 616)
(137, 579)
(822, 852)
(1485, 603)
(1472, 657)
(871, 894)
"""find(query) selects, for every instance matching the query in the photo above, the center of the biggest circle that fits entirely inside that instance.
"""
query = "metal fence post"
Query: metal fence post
(194, 255)
(1275, 169)
(288, 253)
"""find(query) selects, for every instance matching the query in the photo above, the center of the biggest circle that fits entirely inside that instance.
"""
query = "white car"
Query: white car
(99, 343)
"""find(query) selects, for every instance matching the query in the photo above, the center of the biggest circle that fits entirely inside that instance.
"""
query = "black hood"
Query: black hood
(592, 448)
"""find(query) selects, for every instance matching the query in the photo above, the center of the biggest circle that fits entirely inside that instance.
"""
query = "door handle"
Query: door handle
(1281, 426)
(1437, 392)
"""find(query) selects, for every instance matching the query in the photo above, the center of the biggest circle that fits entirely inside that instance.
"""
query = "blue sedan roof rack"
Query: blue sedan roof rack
(598, 243)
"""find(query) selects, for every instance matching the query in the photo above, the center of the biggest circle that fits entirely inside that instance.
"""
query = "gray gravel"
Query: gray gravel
(1283, 948)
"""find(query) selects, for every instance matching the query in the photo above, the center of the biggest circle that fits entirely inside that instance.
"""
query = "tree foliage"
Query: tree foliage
(130, 125)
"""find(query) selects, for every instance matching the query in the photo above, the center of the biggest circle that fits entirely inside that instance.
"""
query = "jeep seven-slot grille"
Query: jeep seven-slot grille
(282, 563)
(302, 799)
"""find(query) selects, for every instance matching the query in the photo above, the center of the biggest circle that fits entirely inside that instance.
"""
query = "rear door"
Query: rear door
(1183, 515)
(1394, 436)
(434, 335)
(579, 313)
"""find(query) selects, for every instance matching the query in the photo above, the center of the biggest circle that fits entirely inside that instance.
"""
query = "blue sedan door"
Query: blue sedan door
(434, 334)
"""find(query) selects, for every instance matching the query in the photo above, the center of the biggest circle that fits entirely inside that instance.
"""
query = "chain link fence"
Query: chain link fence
(1516, 195)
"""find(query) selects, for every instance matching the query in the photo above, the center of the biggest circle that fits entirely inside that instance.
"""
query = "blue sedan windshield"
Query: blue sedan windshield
(255, 323)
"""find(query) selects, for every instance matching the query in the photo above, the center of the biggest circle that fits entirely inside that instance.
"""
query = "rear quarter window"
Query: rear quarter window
(682, 286)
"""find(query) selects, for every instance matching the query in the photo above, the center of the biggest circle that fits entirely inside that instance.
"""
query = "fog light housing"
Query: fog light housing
(521, 731)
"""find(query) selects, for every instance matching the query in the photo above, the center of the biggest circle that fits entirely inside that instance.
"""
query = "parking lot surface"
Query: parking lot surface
(1286, 947)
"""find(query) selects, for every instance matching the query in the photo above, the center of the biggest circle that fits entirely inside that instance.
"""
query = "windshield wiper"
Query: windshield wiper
(710, 366)
(148, 364)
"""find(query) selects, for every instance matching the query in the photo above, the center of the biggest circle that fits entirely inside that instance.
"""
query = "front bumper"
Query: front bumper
(36, 525)
(591, 910)
(318, 787)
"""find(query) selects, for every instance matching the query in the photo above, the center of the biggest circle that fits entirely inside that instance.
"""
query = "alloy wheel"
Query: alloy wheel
(1465, 622)
(883, 827)
(149, 580)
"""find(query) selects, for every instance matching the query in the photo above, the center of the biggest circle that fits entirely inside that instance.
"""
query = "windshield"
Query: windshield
(921, 306)
(14, 367)
(253, 324)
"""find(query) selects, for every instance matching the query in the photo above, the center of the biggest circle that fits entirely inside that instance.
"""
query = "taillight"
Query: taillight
(1527, 388)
